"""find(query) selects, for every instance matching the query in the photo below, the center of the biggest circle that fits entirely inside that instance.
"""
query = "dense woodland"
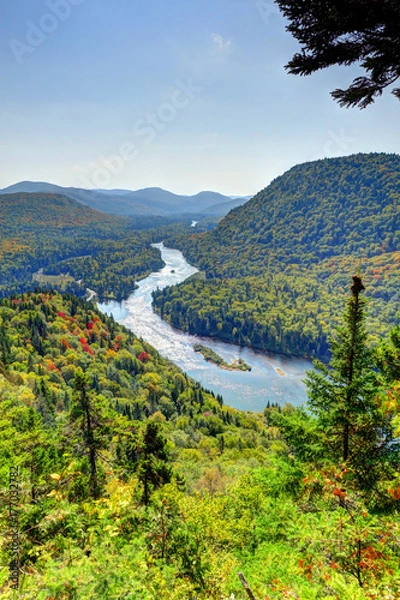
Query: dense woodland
(273, 269)
(60, 236)
(134, 482)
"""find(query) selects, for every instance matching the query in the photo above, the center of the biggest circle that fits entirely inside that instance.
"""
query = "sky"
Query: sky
(187, 95)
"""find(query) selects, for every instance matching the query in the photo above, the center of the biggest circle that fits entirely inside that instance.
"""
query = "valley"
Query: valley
(245, 390)
(171, 430)
(200, 300)
(273, 273)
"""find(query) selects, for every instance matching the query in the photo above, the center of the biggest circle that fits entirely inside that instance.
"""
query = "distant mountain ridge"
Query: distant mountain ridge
(143, 202)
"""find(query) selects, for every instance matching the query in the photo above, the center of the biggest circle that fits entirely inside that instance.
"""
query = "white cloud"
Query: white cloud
(221, 43)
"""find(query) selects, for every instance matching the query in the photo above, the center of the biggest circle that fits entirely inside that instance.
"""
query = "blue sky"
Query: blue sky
(186, 95)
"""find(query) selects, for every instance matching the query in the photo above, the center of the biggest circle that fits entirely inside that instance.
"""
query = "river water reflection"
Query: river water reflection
(243, 390)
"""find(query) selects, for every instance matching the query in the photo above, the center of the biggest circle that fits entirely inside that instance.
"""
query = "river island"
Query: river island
(211, 356)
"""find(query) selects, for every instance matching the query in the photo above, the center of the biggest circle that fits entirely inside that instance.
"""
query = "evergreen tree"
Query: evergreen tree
(388, 356)
(5, 347)
(89, 415)
(41, 454)
(45, 403)
(343, 395)
(345, 33)
(153, 467)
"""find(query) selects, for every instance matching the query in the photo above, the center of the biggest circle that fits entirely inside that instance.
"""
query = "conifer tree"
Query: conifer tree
(5, 346)
(388, 356)
(89, 415)
(343, 395)
(346, 33)
(153, 467)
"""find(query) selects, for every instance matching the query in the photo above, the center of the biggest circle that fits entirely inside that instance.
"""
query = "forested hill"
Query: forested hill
(26, 211)
(288, 253)
(126, 479)
(51, 232)
(332, 207)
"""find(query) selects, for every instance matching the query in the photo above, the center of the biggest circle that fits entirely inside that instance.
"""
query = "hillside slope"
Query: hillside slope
(58, 235)
(126, 479)
(339, 206)
(34, 210)
(286, 255)
(118, 202)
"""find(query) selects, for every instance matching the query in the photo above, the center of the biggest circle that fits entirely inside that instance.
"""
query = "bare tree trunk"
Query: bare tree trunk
(246, 586)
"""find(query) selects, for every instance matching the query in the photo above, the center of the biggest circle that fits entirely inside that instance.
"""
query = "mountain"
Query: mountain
(108, 202)
(314, 211)
(56, 235)
(222, 209)
(277, 268)
(35, 210)
(148, 201)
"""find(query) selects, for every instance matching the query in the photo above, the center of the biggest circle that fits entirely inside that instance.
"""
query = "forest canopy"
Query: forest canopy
(274, 269)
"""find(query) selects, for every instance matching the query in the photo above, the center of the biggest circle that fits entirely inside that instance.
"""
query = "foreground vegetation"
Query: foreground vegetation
(134, 482)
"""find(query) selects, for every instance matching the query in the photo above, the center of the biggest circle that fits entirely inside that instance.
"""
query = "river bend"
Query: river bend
(273, 377)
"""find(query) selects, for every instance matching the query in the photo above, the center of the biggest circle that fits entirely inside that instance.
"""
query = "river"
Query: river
(273, 377)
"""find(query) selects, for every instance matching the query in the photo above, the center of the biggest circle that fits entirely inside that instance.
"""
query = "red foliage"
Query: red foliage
(61, 314)
(370, 559)
(340, 493)
(87, 348)
(395, 493)
(52, 367)
(83, 340)
(307, 569)
(144, 357)
(65, 343)
(90, 326)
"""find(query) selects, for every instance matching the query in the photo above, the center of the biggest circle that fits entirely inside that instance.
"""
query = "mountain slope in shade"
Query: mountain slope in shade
(35, 210)
(148, 201)
(221, 210)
